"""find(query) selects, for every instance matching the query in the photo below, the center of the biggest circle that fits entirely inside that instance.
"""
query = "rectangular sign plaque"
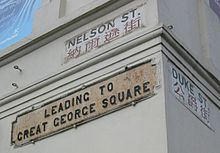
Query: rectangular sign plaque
(189, 95)
(85, 105)
(103, 33)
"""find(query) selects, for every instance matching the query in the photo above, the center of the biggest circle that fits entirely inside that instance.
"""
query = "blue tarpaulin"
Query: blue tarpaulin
(16, 18)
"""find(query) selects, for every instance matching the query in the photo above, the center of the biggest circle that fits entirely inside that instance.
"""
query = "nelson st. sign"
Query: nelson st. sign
(104, 33)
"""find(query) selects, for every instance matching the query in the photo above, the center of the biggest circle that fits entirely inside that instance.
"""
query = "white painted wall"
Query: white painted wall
(47, 61)
(134, 129)
(158, 125)
(196, 27)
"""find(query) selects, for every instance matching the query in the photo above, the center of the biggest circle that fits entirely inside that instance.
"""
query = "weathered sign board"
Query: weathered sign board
(86, 104)
(103, 33)
(189, 94)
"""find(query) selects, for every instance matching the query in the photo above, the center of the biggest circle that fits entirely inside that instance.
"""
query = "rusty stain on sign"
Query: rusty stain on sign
(84, 105)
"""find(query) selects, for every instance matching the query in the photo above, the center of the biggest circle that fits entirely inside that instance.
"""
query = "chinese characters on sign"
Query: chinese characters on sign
(16, 17)
(190, 95)
(103, 34)
(86, 104)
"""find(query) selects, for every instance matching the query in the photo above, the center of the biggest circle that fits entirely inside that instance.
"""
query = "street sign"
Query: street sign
(103, 33)
(84, 105)
(189, 94)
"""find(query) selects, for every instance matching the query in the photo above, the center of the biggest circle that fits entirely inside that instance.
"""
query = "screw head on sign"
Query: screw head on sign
(74, 126)
(133, 103)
